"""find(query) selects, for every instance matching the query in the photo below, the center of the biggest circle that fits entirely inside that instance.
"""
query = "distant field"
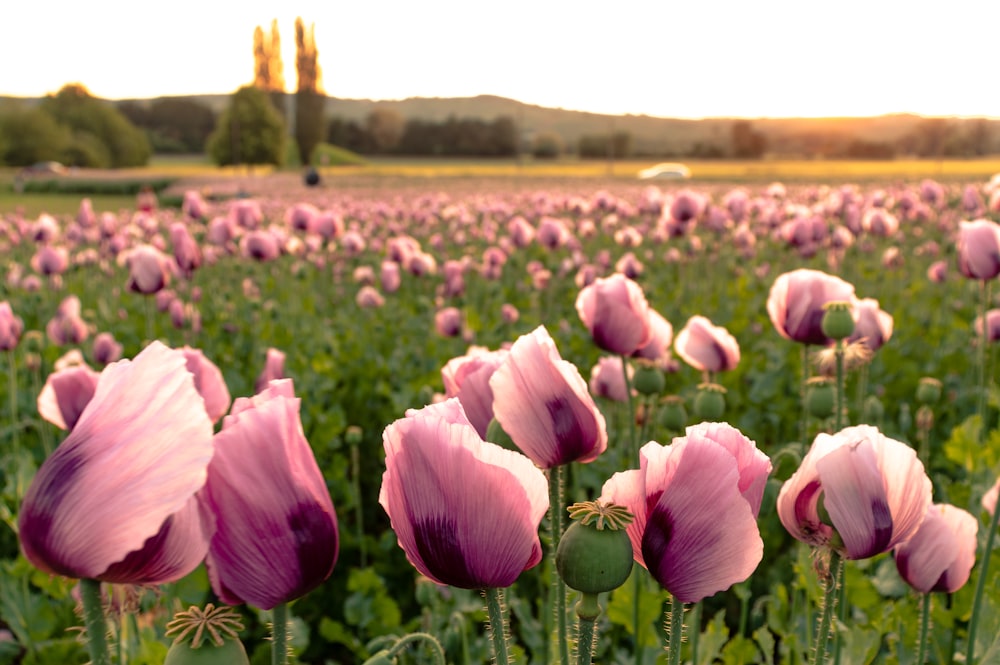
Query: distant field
(198, 171)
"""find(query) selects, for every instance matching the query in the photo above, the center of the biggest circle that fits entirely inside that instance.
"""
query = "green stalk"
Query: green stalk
(633, 442)
(840, 401)
(93, 618)
(984, 297)
(925, 622)
(497, 625)
(587, 610)
(829, 603)
(427, 638)
(12, 389)
(358, 513)
(279, 634)
(675, 631)
(695, 631)
(980, 586)
(556, 501)
(804, 421)
(841, 606)
(148, 300)
(636, 591)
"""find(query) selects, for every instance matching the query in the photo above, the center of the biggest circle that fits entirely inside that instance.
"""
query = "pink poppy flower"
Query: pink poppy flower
(979, 249)
(874, 326)
(874, 489)
(49, 260)
(106, 349)
(468, 378)
(660, 341)
(940, 556)
(992, 325)
(937, 272)
(368, 297)
(390, 276)
(449, 321)
(615, 311)
(695, 503)
(509, 314)
(11, 327)
(274, 369)
(116, 500)
(707, 347)
(65, 395)
(260, 246)
(543, 404)
(208, 381)
(193, 205)
(795, 303)
(276, 534)
(67, 326)
(149, 269)
(607, 379)
(466, 512)
(187, 254)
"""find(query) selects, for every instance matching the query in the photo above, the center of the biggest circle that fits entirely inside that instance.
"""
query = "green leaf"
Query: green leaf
(620, 607)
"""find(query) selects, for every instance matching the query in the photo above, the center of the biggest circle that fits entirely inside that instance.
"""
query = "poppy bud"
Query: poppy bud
(929, 390)
(673, 416)
(820, 397)
(710, 402)
(595, 554)
(648, 380)
(838, 322)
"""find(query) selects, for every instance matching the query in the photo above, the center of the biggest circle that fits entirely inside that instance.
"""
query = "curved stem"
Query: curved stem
(980, 587)
(675, 631)
(93, 618)
(427, 638)
(925, 622)
(555, 532)
(829, 603)
(497, 625)
(279, 634)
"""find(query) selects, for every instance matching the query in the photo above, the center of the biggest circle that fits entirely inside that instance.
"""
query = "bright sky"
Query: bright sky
(674, 58)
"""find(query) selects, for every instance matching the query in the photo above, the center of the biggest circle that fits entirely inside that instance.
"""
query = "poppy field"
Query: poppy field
(536, 420)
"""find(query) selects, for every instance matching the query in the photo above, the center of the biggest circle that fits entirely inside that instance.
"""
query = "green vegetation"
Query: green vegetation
(249, 132)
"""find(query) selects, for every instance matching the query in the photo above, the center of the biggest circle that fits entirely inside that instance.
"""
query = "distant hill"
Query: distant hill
(651, 135)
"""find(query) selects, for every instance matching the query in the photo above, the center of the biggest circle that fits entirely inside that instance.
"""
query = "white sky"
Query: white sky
(674, 58)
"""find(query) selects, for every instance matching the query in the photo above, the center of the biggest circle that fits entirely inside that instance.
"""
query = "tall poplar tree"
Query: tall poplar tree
(309, 97)
(269, 70)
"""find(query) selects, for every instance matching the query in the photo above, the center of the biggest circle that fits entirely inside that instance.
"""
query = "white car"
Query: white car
(665, 171)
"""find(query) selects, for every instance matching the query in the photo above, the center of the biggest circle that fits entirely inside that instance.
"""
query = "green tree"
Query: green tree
(250, 131)
(309, 98)
(31, 135)
(747, 142)
(385, 127)
(269, 69)
(93, 121)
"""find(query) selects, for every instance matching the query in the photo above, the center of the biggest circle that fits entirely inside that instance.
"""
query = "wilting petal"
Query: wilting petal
(137, 455)
(276, 536)
(466, 512)
(542, 402)
(66, 394)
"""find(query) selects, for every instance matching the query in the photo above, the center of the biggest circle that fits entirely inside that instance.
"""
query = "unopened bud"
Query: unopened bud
(673, 416)
(710, 402)
(838, 321)
(648, 380)
(928, 390)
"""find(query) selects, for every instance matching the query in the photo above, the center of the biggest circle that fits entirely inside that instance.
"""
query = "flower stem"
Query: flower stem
(556, 501)
(427, 638)
(279, 634)
(829, 603)
(497, 625)
(980, 587)
(12, 389)
(695, 631)
(587, 611)
(358, 512)
(925, 622)
(148, 300)
(93, 618)
(675, 631)
(984, 297)
(840, 401)
(633, 441)
(636, 591)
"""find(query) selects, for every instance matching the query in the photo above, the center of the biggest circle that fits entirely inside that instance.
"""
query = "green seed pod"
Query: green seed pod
(353, 435)
(595, 554)
(874, 412)
(928, 390)
(673, 416)
(838, 321)
(648, 380)
(710, 402)
(206, 637)
(820, 397)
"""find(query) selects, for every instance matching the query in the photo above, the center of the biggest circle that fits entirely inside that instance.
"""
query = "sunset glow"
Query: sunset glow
(774, 58)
